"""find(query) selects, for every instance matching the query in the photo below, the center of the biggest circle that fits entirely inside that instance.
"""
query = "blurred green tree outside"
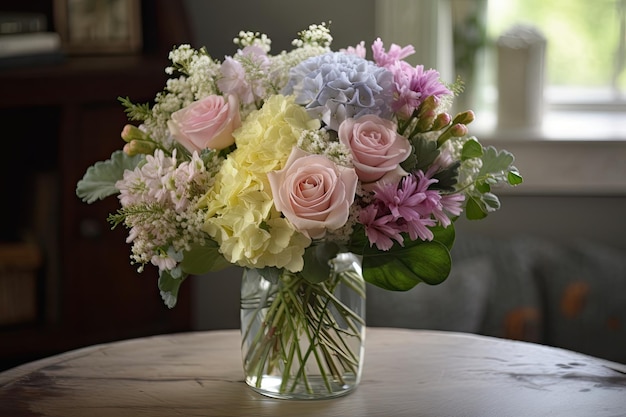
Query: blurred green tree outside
(583, 37)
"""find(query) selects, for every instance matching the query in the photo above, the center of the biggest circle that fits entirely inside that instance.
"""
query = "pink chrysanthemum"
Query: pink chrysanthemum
(358, 50)
(381, 230)
(451, 205)
(396, 53)
(412, 85)
(412, 208)
(408, 208)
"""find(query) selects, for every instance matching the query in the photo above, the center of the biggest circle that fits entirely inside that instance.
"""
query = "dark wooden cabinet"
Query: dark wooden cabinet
(56, 121)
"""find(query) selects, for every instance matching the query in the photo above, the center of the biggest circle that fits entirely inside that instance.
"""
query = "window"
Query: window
(586, 52)
(584, 94)
(580, 147)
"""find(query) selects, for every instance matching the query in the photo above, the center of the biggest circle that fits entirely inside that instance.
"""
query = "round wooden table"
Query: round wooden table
(406, 373)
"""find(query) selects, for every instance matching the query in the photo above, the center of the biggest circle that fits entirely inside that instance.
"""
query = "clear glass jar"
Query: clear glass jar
(304, 340)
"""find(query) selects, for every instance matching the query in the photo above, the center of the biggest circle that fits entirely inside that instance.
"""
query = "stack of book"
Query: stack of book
(26, 41)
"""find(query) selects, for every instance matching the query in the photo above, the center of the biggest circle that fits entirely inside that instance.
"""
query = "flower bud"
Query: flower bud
(131, 132)
(458, 130)
(442, 120)
(425, 121)
(430, 103)
(465, 117)
(136, 147)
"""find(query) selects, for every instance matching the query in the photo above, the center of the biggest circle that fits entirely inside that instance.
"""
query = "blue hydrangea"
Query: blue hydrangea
(336, 86)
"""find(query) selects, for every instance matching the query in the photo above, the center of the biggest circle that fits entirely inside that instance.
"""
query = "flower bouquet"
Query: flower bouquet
(315, 171)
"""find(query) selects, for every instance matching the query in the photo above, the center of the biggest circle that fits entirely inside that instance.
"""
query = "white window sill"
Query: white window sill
(572, 153)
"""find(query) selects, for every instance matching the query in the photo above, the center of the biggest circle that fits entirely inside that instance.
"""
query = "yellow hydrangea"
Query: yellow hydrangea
(241, 215)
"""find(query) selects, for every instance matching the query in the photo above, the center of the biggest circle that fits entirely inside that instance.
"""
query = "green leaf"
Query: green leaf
(316, 266)
(358, 241)
(401, 268)
(169, 287)
(425, 153)
(447, 178)
(474, 209)
(271, 273)
(471, 149)
(496, 168)
(99, 179)
(514, 177)
(410, 163)
(444, 235)
(479, 205)
(201, 259)
(138, 112)
(483, 187)
(495, 162)
(491, 202)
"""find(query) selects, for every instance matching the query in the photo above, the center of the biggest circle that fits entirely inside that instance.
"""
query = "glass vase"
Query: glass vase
(303, 340)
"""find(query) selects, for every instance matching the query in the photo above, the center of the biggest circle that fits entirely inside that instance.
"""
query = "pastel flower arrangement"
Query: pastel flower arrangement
(269, 161)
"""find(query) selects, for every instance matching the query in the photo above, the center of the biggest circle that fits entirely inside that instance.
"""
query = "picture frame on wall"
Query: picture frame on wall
(92, 27)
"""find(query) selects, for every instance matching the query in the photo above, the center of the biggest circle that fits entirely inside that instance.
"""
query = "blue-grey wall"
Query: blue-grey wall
(216, 23)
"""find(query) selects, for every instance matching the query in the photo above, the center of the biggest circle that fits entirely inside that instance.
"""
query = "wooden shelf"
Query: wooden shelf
(82, 80)
(59, 119)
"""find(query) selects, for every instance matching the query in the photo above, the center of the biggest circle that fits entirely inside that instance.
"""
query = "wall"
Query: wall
(573, 189)
(560, 218)
(215, 24)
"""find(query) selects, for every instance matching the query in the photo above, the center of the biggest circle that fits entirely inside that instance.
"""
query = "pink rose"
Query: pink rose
(377, 149)
(313, 193)
(207, 123)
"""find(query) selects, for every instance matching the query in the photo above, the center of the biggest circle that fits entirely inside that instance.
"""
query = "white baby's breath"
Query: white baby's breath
(319, 142)
(315, 35)
(247, 38)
